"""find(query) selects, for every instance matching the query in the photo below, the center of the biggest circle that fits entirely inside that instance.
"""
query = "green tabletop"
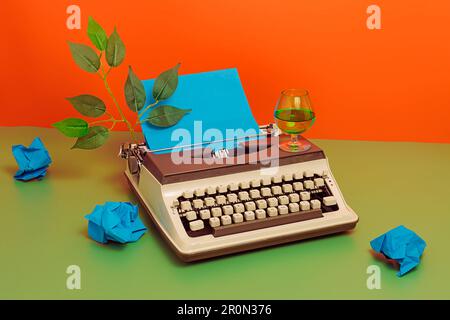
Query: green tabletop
(43, 231)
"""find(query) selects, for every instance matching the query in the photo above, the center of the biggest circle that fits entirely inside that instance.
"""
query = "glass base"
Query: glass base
(294, 146)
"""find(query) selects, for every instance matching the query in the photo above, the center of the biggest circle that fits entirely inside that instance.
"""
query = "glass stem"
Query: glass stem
(294, 140)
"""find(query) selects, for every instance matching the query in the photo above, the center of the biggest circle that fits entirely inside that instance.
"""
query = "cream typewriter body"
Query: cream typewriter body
(205, 210)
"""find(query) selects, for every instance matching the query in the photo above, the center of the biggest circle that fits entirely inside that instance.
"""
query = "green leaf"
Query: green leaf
(134, 91)
(95, 138)
(85, 57)
(72, 127)
(97, 34)
(166, 84)
(88, 105)
(166, 116)
(115, 50)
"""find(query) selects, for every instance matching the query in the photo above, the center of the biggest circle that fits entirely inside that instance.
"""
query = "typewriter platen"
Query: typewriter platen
(266, 197)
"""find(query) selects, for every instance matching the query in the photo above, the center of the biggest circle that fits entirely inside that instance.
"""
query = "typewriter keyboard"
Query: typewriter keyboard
(250, 205)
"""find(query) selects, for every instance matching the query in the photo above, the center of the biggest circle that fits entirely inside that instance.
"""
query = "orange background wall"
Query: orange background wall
(388, 84)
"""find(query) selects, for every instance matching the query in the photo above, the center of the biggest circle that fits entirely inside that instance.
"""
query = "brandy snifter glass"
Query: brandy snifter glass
(293, 116)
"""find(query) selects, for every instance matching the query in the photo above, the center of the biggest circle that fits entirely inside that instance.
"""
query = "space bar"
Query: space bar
(266, 222)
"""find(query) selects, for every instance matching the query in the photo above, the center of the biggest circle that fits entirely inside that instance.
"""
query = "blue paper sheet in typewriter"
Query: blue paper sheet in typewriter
(220, 111)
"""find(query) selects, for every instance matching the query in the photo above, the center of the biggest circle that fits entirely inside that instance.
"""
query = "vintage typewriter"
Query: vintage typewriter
(205, 210)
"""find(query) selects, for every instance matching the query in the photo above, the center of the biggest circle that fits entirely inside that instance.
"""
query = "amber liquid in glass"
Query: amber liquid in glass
(294, 121)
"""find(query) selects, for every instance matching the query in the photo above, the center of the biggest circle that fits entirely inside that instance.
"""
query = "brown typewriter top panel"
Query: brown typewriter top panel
(169, 167)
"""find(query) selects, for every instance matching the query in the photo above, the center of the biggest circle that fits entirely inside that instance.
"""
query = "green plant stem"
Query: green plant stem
(119, 109)
(149, 106)
(111, 119)
(114, 124)
(100, 121)
(106, 120)
(109, 114)
(145, 109)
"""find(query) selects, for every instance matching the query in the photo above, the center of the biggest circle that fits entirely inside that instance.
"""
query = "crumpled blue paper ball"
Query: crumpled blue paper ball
(401, 245)
(115, 221)
(33, 161)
